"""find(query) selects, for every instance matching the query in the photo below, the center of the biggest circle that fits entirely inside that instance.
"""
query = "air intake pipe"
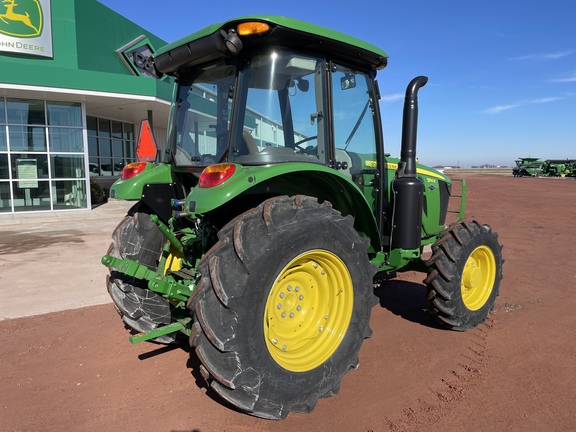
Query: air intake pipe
(407, 188)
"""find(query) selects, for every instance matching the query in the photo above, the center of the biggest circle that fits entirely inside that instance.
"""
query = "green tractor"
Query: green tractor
(571, 168)
(275, 210)
(555, 168)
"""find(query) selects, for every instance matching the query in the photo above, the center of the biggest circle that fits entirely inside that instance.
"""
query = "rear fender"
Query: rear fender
(254, 184)
(132, 188)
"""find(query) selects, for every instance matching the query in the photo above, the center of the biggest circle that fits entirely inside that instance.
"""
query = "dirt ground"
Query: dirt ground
(74, 370)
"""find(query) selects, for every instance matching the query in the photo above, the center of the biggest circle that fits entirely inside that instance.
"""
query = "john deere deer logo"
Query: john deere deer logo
(23, 19)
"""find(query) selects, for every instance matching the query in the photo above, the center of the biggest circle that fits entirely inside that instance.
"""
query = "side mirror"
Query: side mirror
(348, 81)
(303, 85)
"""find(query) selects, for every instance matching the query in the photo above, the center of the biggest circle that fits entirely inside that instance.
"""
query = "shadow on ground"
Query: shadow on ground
(408, 300)
(17, 242)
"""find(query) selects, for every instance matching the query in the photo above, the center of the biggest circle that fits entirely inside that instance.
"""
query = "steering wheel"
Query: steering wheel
(306, 149)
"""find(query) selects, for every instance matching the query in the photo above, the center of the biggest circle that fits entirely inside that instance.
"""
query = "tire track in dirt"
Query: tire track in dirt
(439, 398)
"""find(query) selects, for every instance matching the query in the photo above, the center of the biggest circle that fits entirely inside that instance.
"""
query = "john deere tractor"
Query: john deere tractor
(555, 168)
(275, 209)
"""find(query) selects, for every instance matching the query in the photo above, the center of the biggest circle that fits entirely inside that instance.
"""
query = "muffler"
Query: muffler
(407, 188)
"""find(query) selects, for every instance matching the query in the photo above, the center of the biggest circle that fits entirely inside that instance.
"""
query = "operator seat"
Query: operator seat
(250, 143)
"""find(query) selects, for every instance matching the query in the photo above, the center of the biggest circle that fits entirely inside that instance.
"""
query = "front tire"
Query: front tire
(283, 306)
(464, 275)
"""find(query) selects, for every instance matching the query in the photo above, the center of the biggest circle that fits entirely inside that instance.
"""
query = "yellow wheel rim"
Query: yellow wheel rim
(478, 277)
(308, 310)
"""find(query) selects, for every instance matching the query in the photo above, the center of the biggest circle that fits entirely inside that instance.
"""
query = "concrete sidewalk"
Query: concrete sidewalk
(109, 210)
(51, 261)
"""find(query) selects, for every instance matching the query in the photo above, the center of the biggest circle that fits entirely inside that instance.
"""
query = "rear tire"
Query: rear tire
(283, 306)
(136, 237)
(464, 275)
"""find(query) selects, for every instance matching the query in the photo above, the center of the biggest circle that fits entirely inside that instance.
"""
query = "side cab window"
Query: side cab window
(354, 128)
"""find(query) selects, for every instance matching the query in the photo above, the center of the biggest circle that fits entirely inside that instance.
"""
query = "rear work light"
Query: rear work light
(132, 170)
(214, 175)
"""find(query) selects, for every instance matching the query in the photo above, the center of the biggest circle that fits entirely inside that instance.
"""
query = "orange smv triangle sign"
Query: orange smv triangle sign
(146, 149)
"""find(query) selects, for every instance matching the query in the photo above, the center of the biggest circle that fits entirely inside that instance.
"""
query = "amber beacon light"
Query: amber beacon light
(252, 27)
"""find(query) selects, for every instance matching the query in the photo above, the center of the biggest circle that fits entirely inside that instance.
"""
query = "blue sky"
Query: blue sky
(502, 74)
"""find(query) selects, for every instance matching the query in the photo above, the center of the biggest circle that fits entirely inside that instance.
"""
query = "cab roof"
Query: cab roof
(208, 43)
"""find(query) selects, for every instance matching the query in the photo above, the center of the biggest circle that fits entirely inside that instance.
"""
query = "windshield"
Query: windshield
(278, 112)
(284, 116)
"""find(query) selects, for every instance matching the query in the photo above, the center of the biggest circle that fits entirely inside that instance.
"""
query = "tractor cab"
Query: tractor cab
(275, 92)
(272, 107)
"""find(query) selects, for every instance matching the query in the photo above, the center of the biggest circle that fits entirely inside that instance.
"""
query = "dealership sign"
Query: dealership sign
(25, 27)
(137, 57)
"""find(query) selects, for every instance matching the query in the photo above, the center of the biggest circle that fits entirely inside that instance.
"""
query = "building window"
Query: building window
(41, 155)
(110, 146)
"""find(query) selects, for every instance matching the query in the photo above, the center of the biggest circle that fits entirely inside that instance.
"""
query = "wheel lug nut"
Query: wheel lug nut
(279, 306)
(297, 289)
(315, 265)
(274, 341)
(291, 314)
(298, 308)
(282, 295)
(284, 347)
(322, 272)
(283, 314)
(325, 317)
(320, 329)
(289, 287)
(301, 297)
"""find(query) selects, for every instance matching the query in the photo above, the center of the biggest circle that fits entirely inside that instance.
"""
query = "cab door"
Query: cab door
(356, 130)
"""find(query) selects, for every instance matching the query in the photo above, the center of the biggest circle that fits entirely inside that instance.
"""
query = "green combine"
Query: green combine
(529, 166)
(275, 209)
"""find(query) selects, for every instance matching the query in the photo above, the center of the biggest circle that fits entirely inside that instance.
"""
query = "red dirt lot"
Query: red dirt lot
(75, 370)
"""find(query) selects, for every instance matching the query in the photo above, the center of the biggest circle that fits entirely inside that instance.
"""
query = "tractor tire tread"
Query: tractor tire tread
(445, 268)
(237, 371)
(136, 237)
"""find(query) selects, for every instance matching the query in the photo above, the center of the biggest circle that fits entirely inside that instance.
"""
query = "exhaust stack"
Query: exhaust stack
(407, 188)
(410, 128)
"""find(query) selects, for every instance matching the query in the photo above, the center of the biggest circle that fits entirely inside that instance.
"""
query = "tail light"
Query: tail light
(132, 170)
(214, 175)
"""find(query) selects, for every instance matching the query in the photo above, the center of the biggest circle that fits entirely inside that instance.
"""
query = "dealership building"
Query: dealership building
(74, 86)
